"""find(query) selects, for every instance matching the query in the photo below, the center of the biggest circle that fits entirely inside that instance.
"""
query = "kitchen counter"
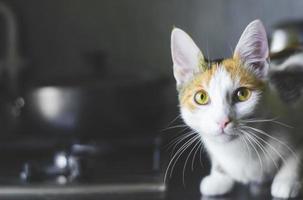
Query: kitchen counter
(175, 189)
(127, 176)
(241, 193)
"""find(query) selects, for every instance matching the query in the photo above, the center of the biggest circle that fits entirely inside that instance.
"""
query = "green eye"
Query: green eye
(201, 97)
(242, 94)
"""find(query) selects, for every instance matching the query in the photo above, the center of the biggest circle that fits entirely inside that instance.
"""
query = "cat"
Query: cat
(250, 132)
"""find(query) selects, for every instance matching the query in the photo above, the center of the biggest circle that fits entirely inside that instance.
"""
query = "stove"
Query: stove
(34, 167)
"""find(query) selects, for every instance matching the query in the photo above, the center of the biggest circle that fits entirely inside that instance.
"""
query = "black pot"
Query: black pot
(96, 110)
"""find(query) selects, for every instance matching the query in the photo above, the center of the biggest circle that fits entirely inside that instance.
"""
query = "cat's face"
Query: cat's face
(214, 97)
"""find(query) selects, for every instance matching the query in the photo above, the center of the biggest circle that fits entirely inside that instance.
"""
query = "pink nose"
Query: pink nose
(225, 122)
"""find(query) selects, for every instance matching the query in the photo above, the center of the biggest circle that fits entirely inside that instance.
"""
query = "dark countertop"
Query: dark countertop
(241, 193)
(140, 186)
(175, 189)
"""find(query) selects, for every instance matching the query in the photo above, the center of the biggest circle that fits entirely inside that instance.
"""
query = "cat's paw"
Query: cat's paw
(214, 185)
(285, 189)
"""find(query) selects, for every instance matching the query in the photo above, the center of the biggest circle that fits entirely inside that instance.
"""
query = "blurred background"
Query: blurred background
(87, 92)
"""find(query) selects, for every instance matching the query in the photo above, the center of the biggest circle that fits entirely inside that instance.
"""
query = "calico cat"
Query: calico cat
(251, 133)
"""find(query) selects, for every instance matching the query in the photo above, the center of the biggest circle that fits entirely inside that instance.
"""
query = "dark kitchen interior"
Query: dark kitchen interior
(87, 94)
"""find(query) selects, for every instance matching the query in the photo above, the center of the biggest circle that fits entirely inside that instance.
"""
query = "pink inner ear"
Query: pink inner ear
(180, 59)
(184, 54)
(252, 47)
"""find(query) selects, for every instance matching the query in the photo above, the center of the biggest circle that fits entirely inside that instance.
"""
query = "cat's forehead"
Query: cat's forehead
(234, 69)
(218, 73)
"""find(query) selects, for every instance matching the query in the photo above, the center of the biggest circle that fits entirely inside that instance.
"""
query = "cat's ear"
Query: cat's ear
(252, 48)
(186, 56)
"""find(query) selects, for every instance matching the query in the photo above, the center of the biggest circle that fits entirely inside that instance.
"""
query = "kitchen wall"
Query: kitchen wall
(84, 38)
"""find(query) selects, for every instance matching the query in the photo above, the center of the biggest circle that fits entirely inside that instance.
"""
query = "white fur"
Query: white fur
(252, 48)
(206, 119)
(233, 159)
(216, 184)
(185, 55)
(287, 183)
(238, 161)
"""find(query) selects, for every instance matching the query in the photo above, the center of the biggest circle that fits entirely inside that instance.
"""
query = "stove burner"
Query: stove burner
(65, 168)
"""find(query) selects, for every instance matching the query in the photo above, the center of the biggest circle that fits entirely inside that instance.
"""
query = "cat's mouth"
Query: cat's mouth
(225, 136)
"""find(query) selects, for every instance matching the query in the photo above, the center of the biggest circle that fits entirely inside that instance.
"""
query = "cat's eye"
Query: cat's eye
(201, 97)
(242, 94)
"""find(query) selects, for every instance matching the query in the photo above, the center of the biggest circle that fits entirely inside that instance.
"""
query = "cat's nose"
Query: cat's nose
(225, 122)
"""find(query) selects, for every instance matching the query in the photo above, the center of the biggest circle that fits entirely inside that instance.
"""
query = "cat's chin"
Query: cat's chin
(223, 138)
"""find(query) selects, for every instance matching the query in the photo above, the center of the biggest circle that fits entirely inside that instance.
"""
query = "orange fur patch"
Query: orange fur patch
(247, 78)
(201, 80)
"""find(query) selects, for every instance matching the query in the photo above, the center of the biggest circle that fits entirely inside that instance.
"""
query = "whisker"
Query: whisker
(258, 119)
(182, 139)
(184, 149)
(269, 145)
(262, 147)
(176, 126)
(184, 168)
(177, 156)
(201, 151)
(247, 147)
(180, 149)
(193, 160)
(272, 137)
(273, 120)
(178, 138)
(207, 52)
(259, 157)
(256, 142)
(267, 151)
(231, 49)
(175, 119)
